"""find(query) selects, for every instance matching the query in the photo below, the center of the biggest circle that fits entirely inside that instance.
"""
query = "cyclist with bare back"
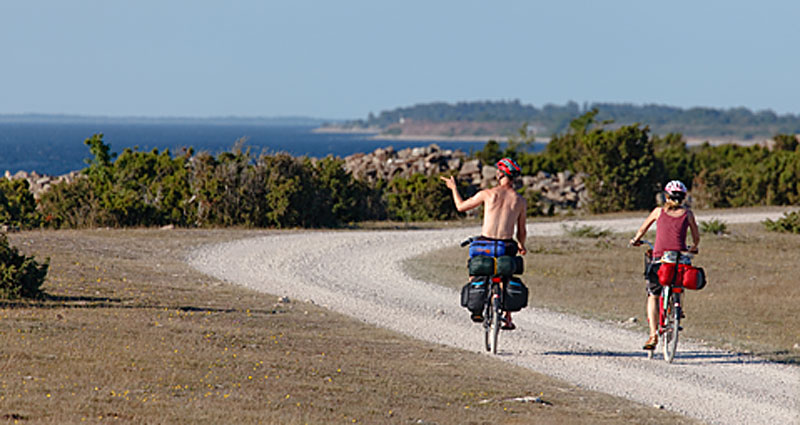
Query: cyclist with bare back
(504, 211)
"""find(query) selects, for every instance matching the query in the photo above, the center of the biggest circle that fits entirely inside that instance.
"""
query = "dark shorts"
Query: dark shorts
(510, 244)
(651, 276)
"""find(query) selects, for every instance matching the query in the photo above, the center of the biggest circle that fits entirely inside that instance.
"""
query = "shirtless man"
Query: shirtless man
(504, 209)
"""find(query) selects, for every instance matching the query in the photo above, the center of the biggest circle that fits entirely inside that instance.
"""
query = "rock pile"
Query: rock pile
(38, 183)
(564, 190)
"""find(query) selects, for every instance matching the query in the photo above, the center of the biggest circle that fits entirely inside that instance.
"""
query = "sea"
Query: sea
(58, 148)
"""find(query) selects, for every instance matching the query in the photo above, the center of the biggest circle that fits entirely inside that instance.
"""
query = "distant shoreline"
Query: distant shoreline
(376, 135)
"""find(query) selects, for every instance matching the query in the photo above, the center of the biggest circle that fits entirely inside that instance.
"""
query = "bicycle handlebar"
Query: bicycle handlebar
(467, 241)
(644, 241)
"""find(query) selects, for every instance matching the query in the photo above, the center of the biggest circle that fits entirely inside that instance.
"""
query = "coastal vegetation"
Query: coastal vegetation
(624, 167)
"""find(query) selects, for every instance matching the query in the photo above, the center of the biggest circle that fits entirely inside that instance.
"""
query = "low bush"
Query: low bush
(20, 276)
(789, 223)
(714, 226)
(586, 231)
(419, 198)
(17, 206)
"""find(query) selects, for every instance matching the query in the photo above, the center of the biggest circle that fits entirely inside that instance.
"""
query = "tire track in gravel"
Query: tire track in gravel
(359, 273)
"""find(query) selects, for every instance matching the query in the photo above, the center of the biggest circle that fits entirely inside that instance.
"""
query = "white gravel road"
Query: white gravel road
(359, 273)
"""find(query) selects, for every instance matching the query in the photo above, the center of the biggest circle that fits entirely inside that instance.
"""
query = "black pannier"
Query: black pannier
(473, 295)
(515, 297)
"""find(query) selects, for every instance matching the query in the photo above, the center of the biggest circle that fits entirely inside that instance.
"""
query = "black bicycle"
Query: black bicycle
(492, 301)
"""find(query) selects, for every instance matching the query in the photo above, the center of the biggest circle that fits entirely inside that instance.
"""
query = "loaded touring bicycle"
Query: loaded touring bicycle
(493, 289)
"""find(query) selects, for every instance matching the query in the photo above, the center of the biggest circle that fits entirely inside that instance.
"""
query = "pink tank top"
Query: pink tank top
(670, 233)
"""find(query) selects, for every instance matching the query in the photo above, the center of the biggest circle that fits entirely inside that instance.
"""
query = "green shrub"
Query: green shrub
(674, 160)
(17, 206)
(73, 205)
(20, 276)
(585, 231)
(789, 223)
(714, 226)
(419, 198)
(785, 142)
(621, 169)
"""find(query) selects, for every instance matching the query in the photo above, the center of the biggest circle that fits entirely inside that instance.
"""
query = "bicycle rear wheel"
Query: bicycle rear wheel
(495, 328)
(488, 316)
(672, 327)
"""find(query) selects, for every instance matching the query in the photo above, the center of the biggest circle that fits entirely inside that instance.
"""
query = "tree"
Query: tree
(621, 169)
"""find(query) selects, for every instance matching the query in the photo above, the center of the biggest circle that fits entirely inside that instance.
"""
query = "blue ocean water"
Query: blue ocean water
(58, 148)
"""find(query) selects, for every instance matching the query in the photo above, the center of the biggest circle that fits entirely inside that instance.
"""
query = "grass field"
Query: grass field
(130, 334)
(749, 304)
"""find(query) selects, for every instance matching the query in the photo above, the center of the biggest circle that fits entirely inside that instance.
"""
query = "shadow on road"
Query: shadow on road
(692, 357)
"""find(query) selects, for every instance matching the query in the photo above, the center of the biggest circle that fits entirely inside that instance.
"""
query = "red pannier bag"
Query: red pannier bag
(684, 275)
(667, 274)
(693, 278)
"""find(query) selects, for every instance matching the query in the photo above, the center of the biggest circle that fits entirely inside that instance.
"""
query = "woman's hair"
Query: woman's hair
(673, 202)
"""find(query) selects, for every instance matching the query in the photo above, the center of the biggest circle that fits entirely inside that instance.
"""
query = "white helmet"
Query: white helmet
(675, 190)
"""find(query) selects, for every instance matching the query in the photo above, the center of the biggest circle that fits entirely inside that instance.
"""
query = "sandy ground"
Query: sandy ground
(360, 274)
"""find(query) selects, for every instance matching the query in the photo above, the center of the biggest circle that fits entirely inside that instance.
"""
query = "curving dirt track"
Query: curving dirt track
(359, 274)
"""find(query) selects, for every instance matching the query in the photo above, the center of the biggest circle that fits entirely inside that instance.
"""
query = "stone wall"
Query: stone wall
(38, 183)
(564, 190)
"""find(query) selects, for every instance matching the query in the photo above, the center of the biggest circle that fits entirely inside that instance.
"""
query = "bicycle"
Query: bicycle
(669, 305)
(492, 308)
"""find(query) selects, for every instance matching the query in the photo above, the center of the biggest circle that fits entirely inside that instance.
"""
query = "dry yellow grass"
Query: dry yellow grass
(749, 305)
(131, 334)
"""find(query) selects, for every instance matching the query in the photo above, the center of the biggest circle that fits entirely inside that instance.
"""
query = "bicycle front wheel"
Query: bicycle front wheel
(672, 327)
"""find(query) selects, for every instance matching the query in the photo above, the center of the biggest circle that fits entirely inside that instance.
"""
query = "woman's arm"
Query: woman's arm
(695, 231)
(646, 225)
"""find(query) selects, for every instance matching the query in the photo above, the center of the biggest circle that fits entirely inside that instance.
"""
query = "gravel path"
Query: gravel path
(359, 274)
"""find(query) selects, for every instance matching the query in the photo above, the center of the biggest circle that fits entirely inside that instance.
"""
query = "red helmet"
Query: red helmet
(509, 167)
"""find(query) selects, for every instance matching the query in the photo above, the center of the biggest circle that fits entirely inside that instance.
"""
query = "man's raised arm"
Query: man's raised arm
(461, 204)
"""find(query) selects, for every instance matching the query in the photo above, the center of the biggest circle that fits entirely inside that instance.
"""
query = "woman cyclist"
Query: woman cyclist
(672, 220)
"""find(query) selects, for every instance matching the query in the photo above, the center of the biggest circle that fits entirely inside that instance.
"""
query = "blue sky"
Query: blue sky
(345, 59)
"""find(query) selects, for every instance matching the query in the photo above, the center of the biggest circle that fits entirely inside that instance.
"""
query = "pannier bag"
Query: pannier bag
(473, 295)
(516, 295)
(490, 266)
(668, 274)
(693, 277)
(684, 275)
(490, 248)
(508, 265)
(481, 266)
